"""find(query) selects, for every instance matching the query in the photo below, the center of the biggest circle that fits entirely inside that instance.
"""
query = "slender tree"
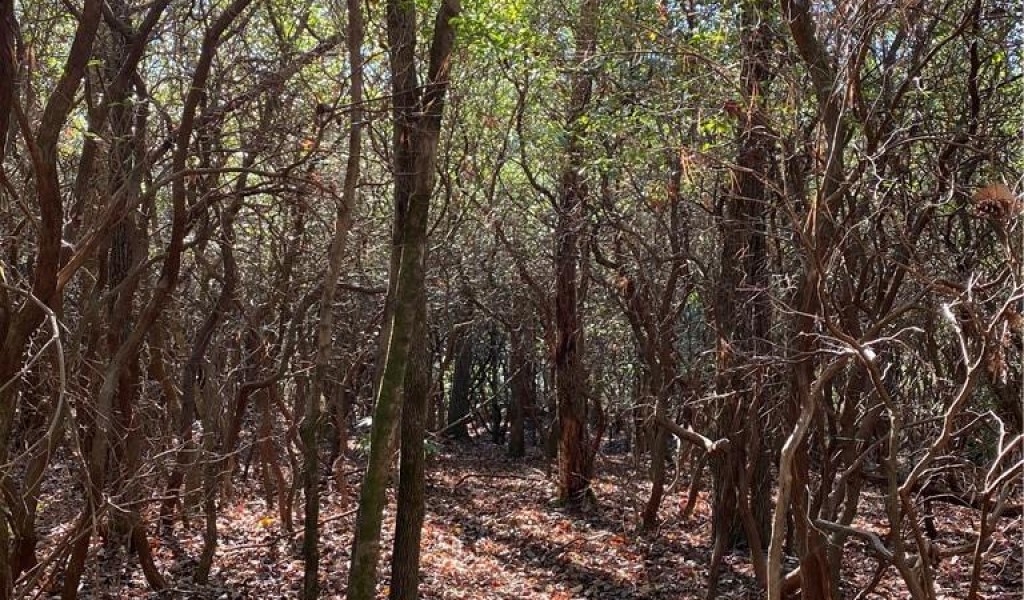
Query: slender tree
(417, 124)
(342, 224)
(575, 455)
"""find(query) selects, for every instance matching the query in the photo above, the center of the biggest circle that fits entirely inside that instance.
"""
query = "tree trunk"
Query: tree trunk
(742, 312)
(649, 306)
(405, 577)
(462, 374)
(325, 328)
(575, 459)
(659, 440)
(417, 115)
(494, 367)
(523, 386)
(210, 463)
(193, 382)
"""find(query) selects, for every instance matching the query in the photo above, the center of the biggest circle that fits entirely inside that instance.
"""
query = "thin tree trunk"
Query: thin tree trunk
(410, 512)
(659, 439)
(575, 459)
(523, 386)
(209, 463)
(192, 380)
(462, 373)
(417, 115)
(366, 545)
(325, 328)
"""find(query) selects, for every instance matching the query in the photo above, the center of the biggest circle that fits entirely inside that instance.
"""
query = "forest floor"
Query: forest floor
(492, 532)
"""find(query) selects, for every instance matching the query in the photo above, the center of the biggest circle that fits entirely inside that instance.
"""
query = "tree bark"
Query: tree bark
(8, 78)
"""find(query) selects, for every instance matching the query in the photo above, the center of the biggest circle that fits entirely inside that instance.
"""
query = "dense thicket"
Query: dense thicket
(235, 235)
